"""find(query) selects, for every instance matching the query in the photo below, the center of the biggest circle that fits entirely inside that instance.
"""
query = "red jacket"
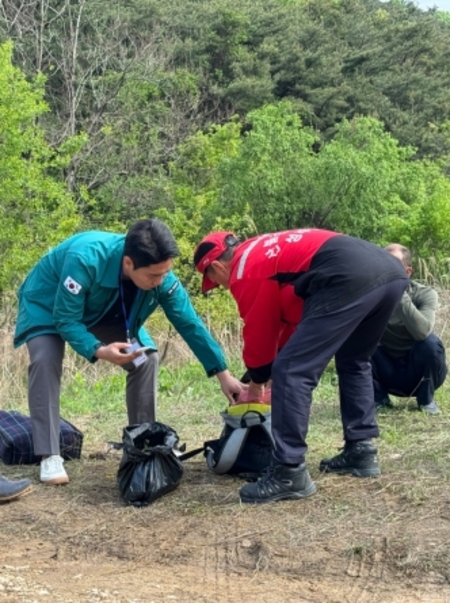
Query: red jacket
(263, 271)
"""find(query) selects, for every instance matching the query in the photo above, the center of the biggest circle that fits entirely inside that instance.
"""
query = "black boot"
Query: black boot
(279, 482)
(383, 403)
(358, 458)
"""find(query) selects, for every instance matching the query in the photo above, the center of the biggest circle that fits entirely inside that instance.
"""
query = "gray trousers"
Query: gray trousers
(44, 385)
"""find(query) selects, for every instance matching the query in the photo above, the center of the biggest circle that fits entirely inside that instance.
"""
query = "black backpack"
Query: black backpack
(245, 445)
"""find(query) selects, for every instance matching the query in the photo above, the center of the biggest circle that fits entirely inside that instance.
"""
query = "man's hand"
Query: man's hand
(230, 385)
(255, 391)
(258, 393)
(115, 353)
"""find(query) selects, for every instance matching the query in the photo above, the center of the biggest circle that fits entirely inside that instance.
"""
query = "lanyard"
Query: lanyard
(128, 319)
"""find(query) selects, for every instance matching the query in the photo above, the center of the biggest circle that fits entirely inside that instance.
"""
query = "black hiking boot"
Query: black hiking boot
(279, 482)
(358, 458)
(383, 403)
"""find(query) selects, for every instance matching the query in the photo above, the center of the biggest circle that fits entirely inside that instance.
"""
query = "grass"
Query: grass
(413, 447)
(402, 518)
(93, 397)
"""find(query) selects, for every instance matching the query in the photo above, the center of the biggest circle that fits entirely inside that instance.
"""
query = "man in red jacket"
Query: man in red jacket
(305, 296)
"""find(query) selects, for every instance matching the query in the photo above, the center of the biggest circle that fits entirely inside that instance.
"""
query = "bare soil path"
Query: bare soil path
(355, 541)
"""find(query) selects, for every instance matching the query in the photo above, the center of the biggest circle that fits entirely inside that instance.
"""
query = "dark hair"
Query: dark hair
(231, 243)
(149, 242)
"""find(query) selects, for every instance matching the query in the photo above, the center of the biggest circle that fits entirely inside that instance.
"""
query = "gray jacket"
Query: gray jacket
(412, 320)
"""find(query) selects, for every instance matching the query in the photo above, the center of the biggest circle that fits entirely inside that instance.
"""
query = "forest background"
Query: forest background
(266, 115)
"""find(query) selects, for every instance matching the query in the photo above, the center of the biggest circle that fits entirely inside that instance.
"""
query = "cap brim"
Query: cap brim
(208, 284)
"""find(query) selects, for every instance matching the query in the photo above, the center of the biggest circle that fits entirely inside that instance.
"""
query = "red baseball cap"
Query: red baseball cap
(209, 249)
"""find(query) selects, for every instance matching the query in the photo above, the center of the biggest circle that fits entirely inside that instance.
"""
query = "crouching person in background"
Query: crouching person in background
(410, 360)
(95, 291)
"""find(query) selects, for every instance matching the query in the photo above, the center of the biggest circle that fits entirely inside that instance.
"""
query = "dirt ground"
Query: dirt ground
(355, 541)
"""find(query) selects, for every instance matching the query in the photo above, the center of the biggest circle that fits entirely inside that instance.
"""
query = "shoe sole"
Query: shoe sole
(56, 481)
(352, 471)
(17, 495)
(282, 496)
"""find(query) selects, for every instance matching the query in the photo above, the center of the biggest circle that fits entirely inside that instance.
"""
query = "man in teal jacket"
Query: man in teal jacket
(95, 291)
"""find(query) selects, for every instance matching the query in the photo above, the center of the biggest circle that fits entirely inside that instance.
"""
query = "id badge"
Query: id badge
(135, 345)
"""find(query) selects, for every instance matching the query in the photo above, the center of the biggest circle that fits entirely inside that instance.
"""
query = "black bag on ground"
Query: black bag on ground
(16, 439)
(245, 445)
(149, 467)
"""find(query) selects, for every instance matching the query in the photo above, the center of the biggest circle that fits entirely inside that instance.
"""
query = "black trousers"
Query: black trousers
(418, 374)
(351, 334)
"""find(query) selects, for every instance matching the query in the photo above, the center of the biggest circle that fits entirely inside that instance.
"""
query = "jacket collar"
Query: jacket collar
(113, 265)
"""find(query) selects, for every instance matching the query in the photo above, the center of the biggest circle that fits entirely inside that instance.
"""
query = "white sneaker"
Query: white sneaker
(52, 470)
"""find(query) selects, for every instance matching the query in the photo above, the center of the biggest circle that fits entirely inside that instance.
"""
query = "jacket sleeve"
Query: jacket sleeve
(419, 319)
(75, 282)
(177, 306)
(259, 307)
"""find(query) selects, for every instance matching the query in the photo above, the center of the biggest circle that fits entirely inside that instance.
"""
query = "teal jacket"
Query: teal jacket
(73, 286)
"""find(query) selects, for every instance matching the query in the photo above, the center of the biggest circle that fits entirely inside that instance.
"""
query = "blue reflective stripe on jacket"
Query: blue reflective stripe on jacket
(73, 286)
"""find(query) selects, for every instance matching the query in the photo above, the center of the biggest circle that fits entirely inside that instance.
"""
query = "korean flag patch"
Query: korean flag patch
(71, 285)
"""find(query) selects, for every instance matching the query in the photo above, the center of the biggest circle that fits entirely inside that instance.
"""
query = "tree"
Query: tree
(36, 211)
(108, 76)
(271, 173)
(288, 180)
(140, 77)
(193, 206)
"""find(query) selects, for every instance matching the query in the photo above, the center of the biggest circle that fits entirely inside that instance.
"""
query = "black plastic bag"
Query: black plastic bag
(149, 467)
